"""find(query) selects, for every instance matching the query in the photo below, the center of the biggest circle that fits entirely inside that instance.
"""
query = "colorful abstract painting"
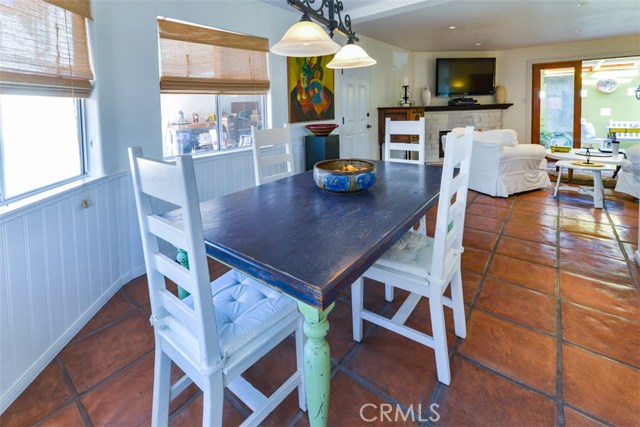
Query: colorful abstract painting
(311, 89)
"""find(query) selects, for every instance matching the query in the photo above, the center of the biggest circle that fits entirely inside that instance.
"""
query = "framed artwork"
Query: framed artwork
(311, 89)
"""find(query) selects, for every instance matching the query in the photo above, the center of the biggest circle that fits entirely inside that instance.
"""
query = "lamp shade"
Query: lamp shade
(305, 38)
(351, 56)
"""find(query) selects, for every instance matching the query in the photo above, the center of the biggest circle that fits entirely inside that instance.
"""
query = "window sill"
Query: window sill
(208, 154)
(19, 207)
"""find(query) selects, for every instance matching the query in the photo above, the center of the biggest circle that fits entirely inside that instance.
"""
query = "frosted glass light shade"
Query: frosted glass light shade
(305, 38)
(351, 56)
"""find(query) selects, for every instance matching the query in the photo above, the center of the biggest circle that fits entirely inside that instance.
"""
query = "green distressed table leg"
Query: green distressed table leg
(183, 260)
(317, 363)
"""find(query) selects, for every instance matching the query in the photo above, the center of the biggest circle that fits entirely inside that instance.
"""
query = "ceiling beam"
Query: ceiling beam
(387, 8)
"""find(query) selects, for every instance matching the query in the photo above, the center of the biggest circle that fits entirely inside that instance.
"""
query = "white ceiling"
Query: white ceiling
(423, 25)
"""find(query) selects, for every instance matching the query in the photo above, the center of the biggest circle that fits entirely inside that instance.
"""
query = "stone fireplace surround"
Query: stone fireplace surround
(439, 119)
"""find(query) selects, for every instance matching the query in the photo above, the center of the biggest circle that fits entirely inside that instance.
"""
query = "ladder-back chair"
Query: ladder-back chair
(405, 129)
(272, 154)
(425, 267)
(223, 327)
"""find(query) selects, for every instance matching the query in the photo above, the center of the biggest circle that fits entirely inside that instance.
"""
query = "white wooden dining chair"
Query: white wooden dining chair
(224, 326)
(425, 267)
(272, 154)
(397, 151)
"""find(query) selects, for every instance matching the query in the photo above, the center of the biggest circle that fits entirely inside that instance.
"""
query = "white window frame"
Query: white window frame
(81, 130)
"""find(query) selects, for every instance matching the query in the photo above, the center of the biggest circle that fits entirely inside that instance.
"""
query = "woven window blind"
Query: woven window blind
(195, 59)
(43, 48)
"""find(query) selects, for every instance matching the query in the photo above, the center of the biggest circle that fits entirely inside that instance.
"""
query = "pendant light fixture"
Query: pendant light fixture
(351, 56)
(306, 38)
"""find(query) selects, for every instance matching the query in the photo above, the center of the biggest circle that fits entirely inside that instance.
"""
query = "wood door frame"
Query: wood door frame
(577, 100)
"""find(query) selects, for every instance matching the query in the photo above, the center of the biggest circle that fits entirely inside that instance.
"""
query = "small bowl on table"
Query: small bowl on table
(346, 176)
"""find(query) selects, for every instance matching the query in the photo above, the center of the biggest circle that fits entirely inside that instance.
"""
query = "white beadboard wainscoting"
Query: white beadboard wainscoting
(60, 262)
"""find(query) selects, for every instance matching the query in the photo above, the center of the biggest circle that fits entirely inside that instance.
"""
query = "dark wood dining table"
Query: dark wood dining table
(312, 244)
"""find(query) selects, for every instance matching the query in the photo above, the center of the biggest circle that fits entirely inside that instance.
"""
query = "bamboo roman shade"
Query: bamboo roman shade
(196, 59)
(44, 49)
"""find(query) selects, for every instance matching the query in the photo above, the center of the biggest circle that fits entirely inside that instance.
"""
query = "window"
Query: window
(40, 142)
(574, 102)
(44, 71)
(213, 87)
(207, 123)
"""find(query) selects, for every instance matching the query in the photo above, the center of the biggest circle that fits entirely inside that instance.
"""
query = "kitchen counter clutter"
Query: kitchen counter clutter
(192, 137)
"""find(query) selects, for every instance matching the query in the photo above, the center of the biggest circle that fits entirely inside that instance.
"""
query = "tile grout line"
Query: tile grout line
(483, 274)
(372, 388)
(485, 270)
(515, 322)
(438, 389)
(504, 376)
(473, 304)
(588, 415)
(84, 414)
(560, 417)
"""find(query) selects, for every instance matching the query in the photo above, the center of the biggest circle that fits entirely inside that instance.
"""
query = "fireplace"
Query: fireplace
(439, 119)
(441, 133)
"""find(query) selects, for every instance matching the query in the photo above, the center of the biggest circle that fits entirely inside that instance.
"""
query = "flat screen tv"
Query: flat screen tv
(465, 76)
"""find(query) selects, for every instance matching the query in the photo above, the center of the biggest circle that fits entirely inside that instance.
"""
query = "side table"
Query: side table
(318, 148)
(598, 188)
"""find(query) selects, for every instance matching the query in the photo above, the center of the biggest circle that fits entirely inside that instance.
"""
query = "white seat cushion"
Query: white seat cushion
(505, 137)
(244, 309)
(411, 254)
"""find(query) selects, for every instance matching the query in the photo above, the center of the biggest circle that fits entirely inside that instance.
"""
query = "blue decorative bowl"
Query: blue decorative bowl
(344, 175)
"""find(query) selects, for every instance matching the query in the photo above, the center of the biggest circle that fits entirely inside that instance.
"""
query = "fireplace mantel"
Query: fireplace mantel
(467, 107)
(442, 118)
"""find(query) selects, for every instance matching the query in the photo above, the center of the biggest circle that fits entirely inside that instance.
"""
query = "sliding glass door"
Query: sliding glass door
(556, 103)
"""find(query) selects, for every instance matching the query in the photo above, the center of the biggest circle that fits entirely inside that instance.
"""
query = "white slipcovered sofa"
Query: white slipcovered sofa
(629, 174)
(500, 166)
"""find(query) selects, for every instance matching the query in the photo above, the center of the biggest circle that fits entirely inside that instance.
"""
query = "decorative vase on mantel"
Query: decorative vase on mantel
(500, 94)
(426, 96)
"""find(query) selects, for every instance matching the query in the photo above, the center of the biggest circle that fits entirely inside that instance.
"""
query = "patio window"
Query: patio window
(213, 86)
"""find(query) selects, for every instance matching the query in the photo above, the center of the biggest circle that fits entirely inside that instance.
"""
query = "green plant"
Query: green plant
(545, 136)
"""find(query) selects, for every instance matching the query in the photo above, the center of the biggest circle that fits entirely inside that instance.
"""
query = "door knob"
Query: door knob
(368, 126)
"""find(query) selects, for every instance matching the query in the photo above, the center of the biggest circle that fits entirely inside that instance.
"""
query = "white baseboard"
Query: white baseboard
(19, 386)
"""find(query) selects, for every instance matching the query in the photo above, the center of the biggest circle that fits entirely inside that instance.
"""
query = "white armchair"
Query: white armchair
(500, 166)
(629, 182)
(629, 174)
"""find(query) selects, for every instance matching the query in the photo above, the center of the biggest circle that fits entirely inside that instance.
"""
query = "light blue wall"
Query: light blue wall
(126, 99)
(125, 106)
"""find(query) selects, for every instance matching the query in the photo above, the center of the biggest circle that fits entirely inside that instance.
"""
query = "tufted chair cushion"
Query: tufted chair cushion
(411, 254)
(244, 309)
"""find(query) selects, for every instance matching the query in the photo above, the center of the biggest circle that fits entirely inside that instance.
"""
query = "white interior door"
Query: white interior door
(356, 136)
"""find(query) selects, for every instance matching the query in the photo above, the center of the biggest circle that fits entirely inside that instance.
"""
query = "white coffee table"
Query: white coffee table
(596, 156)
(598, 188)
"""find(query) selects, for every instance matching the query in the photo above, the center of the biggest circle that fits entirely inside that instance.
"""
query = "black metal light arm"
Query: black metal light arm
(328, 17)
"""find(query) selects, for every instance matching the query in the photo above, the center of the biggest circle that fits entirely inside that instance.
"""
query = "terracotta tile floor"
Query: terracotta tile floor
(553, 315)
